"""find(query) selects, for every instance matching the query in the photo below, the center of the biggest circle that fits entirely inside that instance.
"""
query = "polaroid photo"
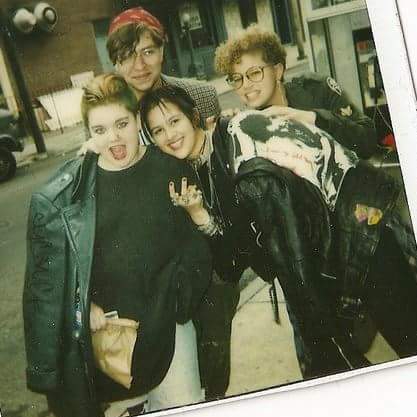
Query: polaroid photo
(223, 191)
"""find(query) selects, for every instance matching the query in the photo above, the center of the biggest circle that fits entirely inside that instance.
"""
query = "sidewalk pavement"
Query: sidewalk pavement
(263, 352)
(56, 142)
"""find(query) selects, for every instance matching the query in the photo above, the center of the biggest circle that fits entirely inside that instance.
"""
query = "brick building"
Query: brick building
(77, 44)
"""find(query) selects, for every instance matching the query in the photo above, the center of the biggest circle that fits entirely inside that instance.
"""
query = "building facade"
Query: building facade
(51, 61)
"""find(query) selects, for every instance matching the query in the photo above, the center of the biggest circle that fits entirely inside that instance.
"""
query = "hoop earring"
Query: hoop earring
(284, 100)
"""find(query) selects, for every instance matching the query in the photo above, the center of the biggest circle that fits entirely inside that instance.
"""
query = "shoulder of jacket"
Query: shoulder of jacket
(220, 133)
(309, 78)
(189, 85)
(313, 79)
(61, 180)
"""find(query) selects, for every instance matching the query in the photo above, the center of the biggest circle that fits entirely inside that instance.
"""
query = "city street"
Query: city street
(15, 399)
(49, 51)
(262, 351)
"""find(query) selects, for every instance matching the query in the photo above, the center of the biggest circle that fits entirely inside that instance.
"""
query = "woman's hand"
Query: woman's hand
(191, 199)
(89, 145)
(284, 112)
(97, 318)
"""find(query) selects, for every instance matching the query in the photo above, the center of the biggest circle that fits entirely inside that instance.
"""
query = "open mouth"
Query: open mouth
(176, 145)
(118, 152)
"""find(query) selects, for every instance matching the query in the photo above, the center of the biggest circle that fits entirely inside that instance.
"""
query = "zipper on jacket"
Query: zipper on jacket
(78, 322)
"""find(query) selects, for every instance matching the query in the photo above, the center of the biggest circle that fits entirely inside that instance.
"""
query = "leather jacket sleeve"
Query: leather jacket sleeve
(230, 246)
(43, 296)
(279, 200)
(195, 268)
(194, 274)
(339, 117)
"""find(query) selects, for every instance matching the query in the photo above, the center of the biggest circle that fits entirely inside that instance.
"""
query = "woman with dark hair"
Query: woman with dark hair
(243, 190)
(105, 240)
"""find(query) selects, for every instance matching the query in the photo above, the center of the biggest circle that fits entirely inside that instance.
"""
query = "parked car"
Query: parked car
(11, 140)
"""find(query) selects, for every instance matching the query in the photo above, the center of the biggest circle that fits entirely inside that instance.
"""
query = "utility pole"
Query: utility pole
(10, 48)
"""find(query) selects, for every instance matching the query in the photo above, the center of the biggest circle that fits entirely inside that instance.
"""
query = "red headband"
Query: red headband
(136, 15)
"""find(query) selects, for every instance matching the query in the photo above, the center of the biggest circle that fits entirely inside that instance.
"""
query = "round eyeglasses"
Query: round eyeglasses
(255, 74)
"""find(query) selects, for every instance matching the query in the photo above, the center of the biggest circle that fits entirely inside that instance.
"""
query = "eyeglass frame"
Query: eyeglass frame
(135, 54)
(242, 76)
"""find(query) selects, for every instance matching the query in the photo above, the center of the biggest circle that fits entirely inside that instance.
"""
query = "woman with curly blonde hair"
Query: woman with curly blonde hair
(254, 63)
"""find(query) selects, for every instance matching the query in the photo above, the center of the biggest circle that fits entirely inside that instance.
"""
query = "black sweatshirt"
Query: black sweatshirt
(150, 264)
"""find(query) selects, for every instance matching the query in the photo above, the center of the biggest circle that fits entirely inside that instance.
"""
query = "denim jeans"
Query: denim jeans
(180, 386)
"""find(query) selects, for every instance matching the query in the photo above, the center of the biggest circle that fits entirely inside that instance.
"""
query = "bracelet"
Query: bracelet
(210, 228)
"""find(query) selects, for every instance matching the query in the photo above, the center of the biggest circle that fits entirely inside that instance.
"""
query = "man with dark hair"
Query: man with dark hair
(136, 45)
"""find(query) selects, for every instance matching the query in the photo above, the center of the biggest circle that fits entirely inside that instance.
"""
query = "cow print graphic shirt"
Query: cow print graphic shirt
(304, 149)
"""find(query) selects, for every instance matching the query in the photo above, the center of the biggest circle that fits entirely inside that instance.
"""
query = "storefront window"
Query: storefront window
(319, 4)
(247, 9)
(320, 48)
(369, 71)
(200, 31)
(101, 28)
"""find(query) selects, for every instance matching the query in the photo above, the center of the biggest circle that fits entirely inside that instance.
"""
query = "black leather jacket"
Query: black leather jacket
(288, 224)
(335, 112)
(60, 243)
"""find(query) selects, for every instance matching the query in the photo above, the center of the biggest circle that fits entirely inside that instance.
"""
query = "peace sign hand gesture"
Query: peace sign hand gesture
(191, 199)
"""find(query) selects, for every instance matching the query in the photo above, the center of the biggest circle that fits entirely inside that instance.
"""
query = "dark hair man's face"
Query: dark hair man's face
(143, 67)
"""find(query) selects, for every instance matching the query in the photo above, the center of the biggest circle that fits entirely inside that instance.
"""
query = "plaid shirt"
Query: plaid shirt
(204, 95)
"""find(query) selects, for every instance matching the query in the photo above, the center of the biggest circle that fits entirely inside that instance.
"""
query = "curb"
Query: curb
(35, 157)
(250, 291)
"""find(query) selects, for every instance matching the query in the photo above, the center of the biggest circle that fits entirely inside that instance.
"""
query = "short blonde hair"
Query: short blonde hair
(249, 40)
(105, 89)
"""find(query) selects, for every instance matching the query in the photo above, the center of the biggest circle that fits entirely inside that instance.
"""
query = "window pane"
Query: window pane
(319, 4)
(247, 9)
(319, 45)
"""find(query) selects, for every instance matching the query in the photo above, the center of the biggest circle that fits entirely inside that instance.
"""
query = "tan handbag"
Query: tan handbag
(113, 349)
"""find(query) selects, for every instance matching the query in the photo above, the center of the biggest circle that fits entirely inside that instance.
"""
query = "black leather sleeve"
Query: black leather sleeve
(349, 126)
(43, 296)
(195, 264)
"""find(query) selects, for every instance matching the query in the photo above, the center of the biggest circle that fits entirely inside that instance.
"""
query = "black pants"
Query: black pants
(280, 215)
(213, 323)
(391, 296)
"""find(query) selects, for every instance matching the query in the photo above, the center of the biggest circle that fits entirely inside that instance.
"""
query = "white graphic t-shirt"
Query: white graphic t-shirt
(304, 149)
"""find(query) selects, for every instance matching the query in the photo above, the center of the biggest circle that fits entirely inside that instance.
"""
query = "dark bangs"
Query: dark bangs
(121, 43)
(160, 96)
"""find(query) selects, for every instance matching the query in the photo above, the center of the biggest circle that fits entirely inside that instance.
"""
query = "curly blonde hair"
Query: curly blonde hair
(249, 40)
(105, 89)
